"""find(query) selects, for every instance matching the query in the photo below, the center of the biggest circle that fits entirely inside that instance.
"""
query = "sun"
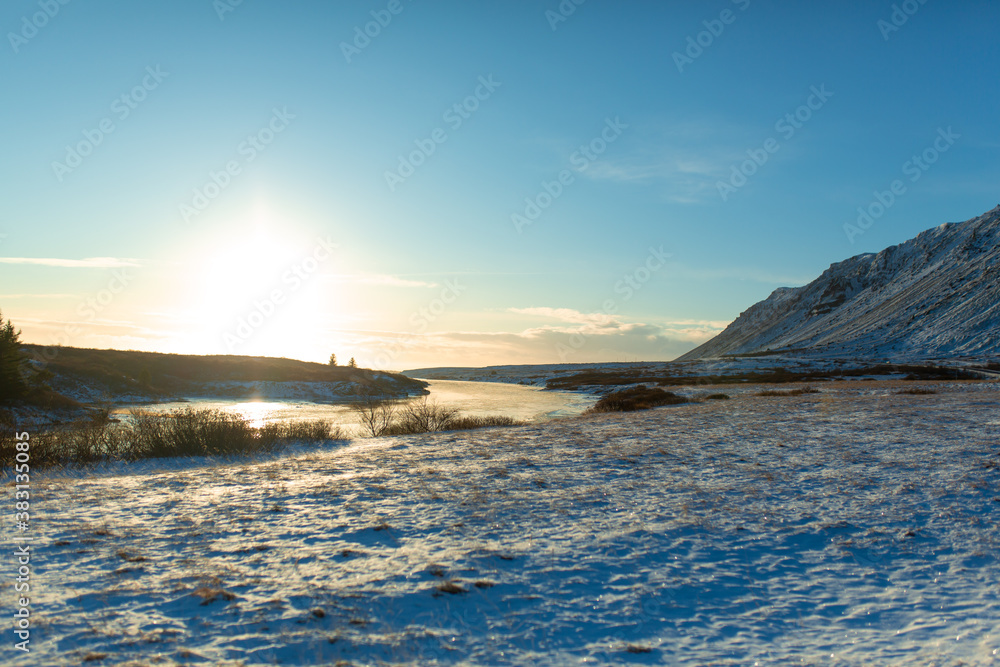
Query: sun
(249, 296)
(240, 268)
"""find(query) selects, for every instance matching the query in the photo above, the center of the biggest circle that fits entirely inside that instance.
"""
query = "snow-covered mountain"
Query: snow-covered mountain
(936, 295)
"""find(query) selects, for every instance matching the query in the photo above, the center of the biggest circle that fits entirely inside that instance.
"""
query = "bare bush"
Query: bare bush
(423, 416)
(376, 413)
(179, 433)
(386, 417)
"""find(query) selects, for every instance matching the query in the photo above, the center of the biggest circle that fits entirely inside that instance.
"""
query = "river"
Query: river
(529, 404)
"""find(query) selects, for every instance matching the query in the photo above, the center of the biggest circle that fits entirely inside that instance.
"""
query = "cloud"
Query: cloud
(39, 296)
(576, 322)
(751, 274)
(88, 263)
(571, 337)
(565, 315)
(380, 279)
(684, 176)
(626, 341)
(684, 159)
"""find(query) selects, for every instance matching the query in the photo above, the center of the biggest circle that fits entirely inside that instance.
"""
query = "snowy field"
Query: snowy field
(850, 527)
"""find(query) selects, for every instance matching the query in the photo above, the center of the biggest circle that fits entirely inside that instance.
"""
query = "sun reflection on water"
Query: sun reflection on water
(257, 413)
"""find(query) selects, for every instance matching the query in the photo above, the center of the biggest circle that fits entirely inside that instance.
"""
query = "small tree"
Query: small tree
(352, 363)
(12, 384)
(333, 360)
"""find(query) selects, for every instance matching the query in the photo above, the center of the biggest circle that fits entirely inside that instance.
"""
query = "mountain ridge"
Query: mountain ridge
(935, 295)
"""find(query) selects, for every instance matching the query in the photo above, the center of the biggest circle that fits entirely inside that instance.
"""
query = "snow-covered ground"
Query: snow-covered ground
(538, 375)
(854, 526)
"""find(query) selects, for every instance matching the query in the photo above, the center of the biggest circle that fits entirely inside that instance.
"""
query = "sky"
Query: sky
(420, 183)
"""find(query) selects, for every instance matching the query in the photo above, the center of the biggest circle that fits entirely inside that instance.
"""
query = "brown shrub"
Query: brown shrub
(636, 398)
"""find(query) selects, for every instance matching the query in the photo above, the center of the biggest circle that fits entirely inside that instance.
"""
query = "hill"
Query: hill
(87, 375)
(934, 296)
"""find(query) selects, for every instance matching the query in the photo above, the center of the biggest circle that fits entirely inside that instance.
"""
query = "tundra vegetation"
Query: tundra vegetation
(382, 416)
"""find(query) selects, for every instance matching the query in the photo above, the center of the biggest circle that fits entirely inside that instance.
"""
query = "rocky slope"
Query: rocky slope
(936, 295)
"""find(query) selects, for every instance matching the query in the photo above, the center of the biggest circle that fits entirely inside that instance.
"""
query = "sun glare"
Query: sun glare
(251, 294)
(256, 413)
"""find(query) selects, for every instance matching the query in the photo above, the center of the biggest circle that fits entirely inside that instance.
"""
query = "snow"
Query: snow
(937, 294)
(854, 526)
(691, 371)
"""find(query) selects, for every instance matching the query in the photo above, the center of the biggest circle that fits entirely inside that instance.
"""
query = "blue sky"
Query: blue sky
(251, 137)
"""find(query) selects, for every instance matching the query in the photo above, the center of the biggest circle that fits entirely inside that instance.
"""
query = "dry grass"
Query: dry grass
(801, 391)
(619, 377)
(451, 588)
(636, 398)
(382, 416)
(121, 370)
(636, 648)
(130, 557)
(182, 433)
(487, 421)
(210, 594)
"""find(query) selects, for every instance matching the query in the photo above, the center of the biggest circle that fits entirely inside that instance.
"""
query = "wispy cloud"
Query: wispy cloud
(609, 340)
(379, 279)
(747, 273)
(574, 321)
(87, 263)
(565, 315)
(39, 296)
(683, 158)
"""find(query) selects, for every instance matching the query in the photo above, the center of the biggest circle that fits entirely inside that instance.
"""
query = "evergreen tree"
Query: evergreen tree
(352, 363)
(333, 360)
(12, 385)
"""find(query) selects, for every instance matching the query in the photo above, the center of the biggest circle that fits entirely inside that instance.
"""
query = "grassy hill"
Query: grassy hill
(153, 373)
